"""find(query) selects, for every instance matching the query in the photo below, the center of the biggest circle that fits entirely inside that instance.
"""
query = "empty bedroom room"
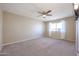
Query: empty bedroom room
(37, 29)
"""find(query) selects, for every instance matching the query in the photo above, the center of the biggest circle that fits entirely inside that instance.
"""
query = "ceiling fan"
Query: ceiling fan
(45, 13)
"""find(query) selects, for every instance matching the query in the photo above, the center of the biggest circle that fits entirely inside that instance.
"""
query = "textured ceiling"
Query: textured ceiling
(59, 10)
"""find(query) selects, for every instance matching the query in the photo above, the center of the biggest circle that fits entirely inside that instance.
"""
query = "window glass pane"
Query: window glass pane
(54, 27)
(57, 26)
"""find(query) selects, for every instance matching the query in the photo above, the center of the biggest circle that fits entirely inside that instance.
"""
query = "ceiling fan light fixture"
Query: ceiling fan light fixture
(44, 16)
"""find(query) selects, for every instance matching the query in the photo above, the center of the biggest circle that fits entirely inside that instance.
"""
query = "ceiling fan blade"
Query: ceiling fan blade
(43, 12)
(40, 12)
(48, 11)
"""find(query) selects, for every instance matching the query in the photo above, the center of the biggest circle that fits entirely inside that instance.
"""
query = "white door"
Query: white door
(77, 36)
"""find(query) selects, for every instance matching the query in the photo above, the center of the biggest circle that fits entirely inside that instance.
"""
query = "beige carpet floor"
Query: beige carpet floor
(40, 47)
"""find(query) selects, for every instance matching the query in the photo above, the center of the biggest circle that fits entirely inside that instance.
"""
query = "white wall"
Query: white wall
(0, 29)
(16, 28)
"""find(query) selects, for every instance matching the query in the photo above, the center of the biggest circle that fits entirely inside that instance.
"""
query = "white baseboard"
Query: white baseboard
(20, 41)
(71, 40)
(63, 39)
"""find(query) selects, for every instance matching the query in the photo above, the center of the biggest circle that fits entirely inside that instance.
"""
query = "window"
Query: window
(60, 26)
